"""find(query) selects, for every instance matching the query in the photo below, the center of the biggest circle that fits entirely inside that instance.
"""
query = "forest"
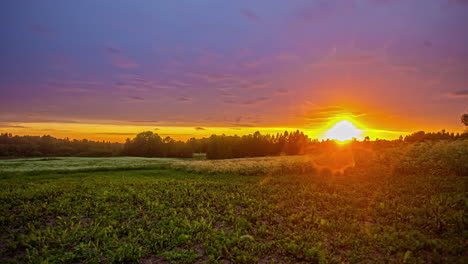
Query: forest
(149, 144)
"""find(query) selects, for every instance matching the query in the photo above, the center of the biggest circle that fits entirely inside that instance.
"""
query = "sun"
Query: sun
(343, 131)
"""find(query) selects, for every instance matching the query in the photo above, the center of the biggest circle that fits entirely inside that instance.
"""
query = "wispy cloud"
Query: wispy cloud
(323, 113)
(120, 58)
(350, 59)
(458, 94)
(72, 90)
(249, 14)
(254, 101)
(199, 128)
(113, 50)
(324, 9)
(124, 63)
(255, 85)
(214, 77)
(129, 86)
(12, 126)
(184, 99)
(282, 91)
(143, 121)
(116, 133)
(132, 99)
(41, 29)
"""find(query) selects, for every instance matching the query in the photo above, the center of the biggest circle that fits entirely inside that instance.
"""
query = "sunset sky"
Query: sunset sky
(108, 69)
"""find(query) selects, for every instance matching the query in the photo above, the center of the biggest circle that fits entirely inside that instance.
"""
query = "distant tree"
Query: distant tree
(464, 119)
(149, 144)
(35, 146)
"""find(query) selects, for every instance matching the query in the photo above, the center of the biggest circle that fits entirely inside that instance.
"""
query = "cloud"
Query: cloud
(286, 56)
(346, 60)
(132, 99)
(143, 121)
(324, 10)
(249, 14)
(458, 94)
(255, 85)
(55, 130)
(214, 77)
(256, 62)
(239, 125)
(458, 2)
(72, 90)
(125, 63)
(282, 91)
(41, 29)
(179, 83)
(84, 82)
(249, 102)
(162, 86)
(227, 94)
(116, 133)
(199, 128)
(12, 126)
(323, 112)
(381, 2)
(121, 59)
(256, 100)
(33, 118)
(127, 86)
(113, 50)
(184, 99)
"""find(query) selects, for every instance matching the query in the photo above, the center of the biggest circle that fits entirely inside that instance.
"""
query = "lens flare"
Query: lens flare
(343, 131)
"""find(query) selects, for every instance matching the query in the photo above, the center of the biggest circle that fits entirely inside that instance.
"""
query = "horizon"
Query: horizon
(82, 70)
(323, 137)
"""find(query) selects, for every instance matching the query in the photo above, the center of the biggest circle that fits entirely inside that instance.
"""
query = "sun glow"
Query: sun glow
(343, 131)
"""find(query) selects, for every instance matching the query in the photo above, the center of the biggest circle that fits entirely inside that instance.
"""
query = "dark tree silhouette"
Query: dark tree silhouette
(464, 119)
(149, 144)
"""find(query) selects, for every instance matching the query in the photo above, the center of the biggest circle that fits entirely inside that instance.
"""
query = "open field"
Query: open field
(388, 207)
(65, 164)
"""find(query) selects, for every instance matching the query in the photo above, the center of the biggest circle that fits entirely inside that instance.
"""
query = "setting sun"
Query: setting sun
(343, 131)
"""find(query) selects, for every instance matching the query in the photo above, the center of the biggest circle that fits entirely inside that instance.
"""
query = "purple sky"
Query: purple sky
(393, 65)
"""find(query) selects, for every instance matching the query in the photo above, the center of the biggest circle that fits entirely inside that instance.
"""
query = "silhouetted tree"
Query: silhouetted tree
(149, 144)
(464, 119)
(47, 146)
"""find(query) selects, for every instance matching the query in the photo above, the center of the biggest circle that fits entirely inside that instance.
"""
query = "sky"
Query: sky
(109, 69)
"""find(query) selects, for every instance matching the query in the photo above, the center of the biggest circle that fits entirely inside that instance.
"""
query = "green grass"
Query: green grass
(67, 164)
(368, 215)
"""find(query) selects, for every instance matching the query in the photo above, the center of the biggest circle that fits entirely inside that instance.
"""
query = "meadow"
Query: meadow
(403, 204)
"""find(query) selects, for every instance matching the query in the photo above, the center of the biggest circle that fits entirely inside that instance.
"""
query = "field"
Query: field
(397, 205)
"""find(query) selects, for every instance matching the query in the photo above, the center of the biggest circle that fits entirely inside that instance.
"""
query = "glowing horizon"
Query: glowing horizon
(119, 133)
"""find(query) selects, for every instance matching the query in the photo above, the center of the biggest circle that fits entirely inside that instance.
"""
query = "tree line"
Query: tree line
(422, 136)
(46, 146)
(149, 144)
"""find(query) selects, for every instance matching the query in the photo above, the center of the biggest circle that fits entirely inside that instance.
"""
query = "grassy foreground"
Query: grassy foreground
(370, 214)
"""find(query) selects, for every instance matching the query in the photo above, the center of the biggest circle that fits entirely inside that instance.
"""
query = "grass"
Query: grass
(369, 214)
(67, 164)
(248, 166)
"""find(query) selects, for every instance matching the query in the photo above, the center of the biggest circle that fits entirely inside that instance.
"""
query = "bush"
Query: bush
(438, 157)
